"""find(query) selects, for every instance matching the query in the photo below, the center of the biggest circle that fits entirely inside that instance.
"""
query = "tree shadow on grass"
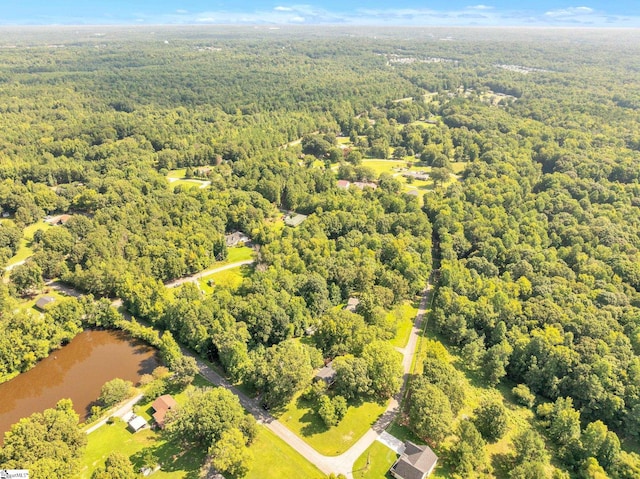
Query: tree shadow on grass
(173, 455)
(313, 424)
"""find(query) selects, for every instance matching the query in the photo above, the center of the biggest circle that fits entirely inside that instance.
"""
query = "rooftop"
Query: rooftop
(43, 302)
(352, 304)
(294, 219)
(161, 406)
(137, 422)
(416, 462)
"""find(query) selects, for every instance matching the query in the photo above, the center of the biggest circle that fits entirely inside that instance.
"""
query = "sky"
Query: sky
(585, 13)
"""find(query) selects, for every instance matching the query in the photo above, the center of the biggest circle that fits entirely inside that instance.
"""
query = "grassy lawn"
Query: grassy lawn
(179, 173)
(317, 164)
(458, 166)
(389, 166)
(300, 417)
(231, 278)
(274, 459)
(177, 462)
(422, 123)
(382, 166)
(186, 183)
(380, 459)
(24, 250)
(53, 293)
(405, 315)
(238, 253)
(403, 432)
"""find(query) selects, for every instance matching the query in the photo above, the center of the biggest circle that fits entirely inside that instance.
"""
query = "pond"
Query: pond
(76, 371)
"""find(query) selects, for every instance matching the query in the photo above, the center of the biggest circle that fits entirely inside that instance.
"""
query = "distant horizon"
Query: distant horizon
(400, 13)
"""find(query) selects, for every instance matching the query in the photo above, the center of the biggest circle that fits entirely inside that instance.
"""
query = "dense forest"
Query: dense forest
(533, 243)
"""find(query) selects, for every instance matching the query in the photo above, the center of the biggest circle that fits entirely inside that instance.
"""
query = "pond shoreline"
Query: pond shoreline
(76, 371)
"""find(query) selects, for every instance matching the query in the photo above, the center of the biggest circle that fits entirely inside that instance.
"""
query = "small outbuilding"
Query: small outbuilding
(161, 406)
(43, 303)
(136, 423)
(416, 462)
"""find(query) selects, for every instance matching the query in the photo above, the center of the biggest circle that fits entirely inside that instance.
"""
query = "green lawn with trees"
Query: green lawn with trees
(531, 211)
(302, 418)
(274, 459)
(375, 462)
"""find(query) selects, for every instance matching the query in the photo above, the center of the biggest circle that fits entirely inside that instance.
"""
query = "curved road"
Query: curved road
(207, 272)
(345, 461)
(327, 464)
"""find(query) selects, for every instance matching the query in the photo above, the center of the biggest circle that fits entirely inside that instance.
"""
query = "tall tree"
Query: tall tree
(429, 411)
(50, 443)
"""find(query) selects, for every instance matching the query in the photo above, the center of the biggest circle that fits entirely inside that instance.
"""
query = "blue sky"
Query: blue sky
(612, 13)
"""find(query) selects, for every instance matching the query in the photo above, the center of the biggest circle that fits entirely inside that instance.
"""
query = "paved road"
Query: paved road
(120, 412)
(207, 272)
(337, 464)
(327, 464)
(348, 458)
(11, 266)
(64, 288)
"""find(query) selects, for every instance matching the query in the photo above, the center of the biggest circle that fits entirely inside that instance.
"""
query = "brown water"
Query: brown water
(77, 371)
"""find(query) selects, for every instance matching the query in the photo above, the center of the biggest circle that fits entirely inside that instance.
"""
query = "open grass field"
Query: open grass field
(458, 167)
(300, 417)
(187, 183)
(31, 303)
(274, 459)
(177, 178)
(231, 278)
(423, 123)
(24, 251)
(238, 253)
(374, 462)
(176, 462)
(178, 174)
(392, 166)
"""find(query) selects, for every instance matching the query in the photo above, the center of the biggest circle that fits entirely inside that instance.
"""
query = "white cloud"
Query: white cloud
(570, 12)
(309, 14)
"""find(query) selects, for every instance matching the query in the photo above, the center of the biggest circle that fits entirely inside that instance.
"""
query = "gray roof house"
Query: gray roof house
(44, 302)
(294, 219)
(326, 374)
(416, 462)
(235, 238)
(352, 304)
